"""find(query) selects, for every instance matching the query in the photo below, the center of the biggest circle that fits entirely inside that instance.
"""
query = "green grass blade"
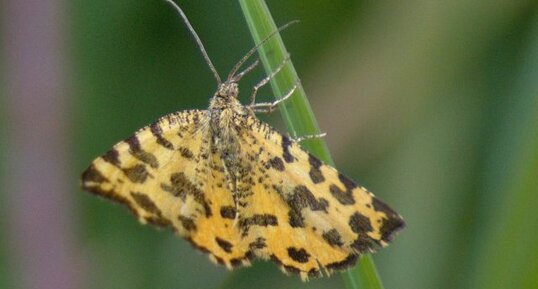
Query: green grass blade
(508, 220)
(298, 115)
(296, 111)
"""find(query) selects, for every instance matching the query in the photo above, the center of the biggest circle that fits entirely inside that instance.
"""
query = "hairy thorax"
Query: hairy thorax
(227, 121)
(227, 115)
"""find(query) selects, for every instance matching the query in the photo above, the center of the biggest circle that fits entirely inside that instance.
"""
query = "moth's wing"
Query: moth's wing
(167, 176)
(313, 217)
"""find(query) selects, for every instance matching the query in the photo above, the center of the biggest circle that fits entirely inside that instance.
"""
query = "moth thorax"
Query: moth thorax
(228, 89)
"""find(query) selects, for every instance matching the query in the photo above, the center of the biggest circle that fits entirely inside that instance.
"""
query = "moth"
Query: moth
(237, 189)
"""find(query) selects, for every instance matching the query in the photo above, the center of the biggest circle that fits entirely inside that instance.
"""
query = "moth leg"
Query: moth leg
(266, 80)
(247, 70)
(267, 107)
(309, 136)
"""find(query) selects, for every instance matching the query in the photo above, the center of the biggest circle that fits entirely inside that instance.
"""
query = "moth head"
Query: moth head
(228, 89)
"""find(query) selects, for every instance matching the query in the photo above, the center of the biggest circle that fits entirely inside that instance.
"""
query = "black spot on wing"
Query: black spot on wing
(349, 184)
(181, 187)
(390, 227)
(144, 202)
(224, 245)
(259, 220)
(298, 255)
(286, 154)
(302, 197)
(157, 133)
(227, 212)
(236, 262)
(295, 218)
(137, 173)
(333, 238)
(363, 244)
(112, 157)
(360, 223)
(136, 150)
(315, 173)
(349, 261)
(187, 223)
(314, 273)
(92, 174)
(250, 255)
(277, 164)
(186, 153)
(392, 224)
(263, 220)
(343, 197)
(158, 221)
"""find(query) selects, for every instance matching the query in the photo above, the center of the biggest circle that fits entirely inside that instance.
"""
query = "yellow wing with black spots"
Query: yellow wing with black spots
(310, 217)
(275, 201)
(167, 176)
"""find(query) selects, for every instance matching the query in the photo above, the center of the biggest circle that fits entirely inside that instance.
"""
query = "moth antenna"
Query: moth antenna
(197, 39)
(255, 48)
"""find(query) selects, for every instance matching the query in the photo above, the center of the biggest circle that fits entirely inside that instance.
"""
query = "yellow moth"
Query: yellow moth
(237, 189)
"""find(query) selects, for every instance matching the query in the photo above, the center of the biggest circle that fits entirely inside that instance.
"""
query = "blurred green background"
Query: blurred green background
(432, 105)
